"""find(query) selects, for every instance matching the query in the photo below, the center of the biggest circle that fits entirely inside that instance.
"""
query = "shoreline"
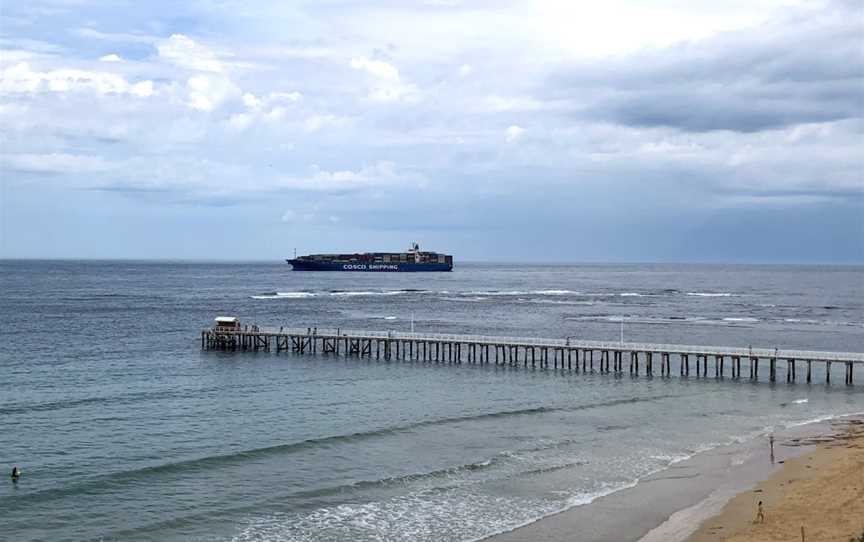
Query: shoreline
(815, 496)
(670, 505)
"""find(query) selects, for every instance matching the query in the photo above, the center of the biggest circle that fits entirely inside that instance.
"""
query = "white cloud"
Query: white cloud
(142, 89)
(378, 68)
(317, 122)
(126, 37)
(273, 107)
(381, 173)
(393, 93)
(205, 93)
(513, 133)
(186, 53)
(465, 70)
(60, 163)
(20, 78)
(239, 121)
(250, 100)
(387, 85)
(497, 104)
(111, 58)
(255, 102)
(289, 96)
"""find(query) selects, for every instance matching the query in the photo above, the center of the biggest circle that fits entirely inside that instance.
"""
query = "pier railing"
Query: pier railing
(761, 352)
(482, 349)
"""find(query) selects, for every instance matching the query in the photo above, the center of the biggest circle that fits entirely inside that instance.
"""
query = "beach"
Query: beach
(816, 480)
(819, 494)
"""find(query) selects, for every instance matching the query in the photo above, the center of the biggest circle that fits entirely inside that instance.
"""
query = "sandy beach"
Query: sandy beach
(816, 480)
(819, 494)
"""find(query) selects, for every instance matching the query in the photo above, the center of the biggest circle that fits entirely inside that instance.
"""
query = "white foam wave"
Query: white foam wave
(519, 292)
(711, 294)
(496, 292)
(285, 295)
(800, 401)
(741, 319)
(557, 302)
(817, 419)
(367, 293)
(671, 459)
(307, 295)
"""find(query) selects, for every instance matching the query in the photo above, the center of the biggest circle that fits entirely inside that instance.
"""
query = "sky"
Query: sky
(495, 130)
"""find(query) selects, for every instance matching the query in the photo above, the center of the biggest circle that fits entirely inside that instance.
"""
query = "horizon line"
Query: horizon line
(468, 262)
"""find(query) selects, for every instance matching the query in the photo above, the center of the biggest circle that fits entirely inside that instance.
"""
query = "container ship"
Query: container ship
(413, 260)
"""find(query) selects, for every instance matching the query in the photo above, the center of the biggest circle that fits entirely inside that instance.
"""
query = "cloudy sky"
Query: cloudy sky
(513, 130)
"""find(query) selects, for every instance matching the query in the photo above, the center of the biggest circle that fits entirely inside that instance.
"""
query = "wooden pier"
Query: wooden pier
(559, 354)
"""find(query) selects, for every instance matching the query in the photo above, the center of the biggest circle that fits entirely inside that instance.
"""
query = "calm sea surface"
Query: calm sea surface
(126, 430)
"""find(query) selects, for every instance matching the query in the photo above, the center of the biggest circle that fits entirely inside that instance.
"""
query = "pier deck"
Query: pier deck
(563, 354)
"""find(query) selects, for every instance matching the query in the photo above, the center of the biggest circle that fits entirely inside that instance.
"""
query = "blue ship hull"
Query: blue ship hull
(395, 267)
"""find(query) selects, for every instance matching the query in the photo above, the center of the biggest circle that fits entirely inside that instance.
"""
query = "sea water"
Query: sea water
(126, 430)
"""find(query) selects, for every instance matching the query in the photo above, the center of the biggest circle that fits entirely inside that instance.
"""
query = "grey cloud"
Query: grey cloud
(801, 69)
(718, 107)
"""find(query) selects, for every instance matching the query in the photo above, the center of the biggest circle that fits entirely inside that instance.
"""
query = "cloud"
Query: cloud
(21, 78)
(110, 58)
(206, 92)
(497, 104)
(387, 85)
(186, 53)
(381, 173)
(269, 108)
(512, 133)
(804, 67)
(293, 96)
(240, 121)
(317, 122)
(122, 37)
(54, 163)
(257, 102)
(377, 68)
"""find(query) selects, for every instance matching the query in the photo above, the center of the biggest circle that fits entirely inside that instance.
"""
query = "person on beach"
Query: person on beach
(760, 514)
(16, 473)
(771, 442)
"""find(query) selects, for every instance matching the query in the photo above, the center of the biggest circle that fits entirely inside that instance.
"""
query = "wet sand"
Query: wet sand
(670, 506)
(821, 492)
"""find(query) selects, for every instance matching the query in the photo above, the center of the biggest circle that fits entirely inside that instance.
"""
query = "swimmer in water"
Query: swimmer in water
(16, 473)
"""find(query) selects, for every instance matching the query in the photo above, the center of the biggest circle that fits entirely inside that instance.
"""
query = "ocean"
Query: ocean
(126, 430)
